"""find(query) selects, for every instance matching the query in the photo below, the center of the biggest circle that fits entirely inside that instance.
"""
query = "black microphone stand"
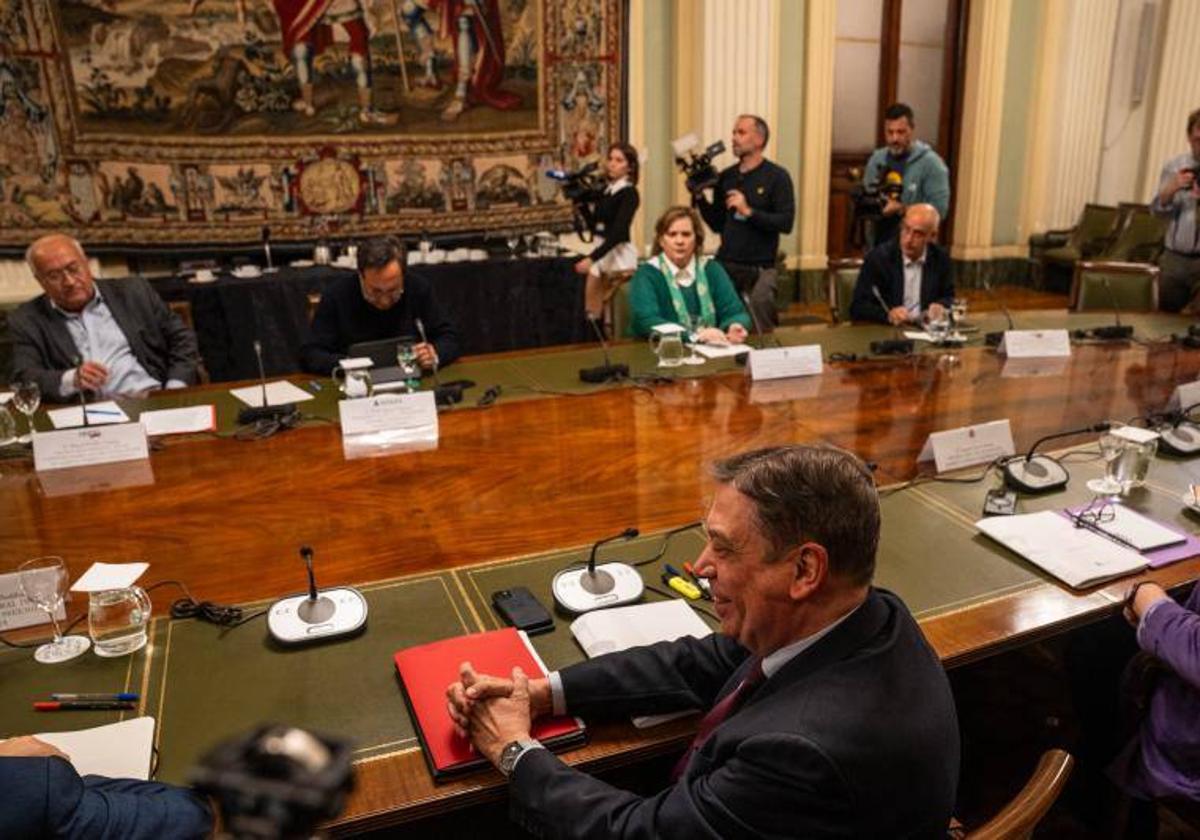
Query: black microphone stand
(606, 372)
(253, 414)
(898, 346)
(993, 339)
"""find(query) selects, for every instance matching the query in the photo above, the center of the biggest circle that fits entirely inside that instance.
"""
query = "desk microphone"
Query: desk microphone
(1115, 332)
(993, 339)
(1041, 473)
(446, 395)
(252, 414)
(78, 362)
(1178, 435)
(897, 346)
(762, 337)
(608, 371)
(316, 614)
(579, 590)
(266, 241)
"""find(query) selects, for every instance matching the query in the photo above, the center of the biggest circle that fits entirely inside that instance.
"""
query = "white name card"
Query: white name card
(87, 445)
(1032, 344)
(969, 445)
(416, 413)
(784, 362)
(1184, 396)
(18, 611)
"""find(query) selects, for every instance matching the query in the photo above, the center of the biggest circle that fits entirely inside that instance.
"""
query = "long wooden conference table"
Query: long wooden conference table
(519, 489)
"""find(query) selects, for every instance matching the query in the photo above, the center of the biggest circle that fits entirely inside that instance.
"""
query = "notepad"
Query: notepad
(720, 351)
(1076, 556)
(118, 750)
(620, 628)
(179, 421)
(280, 392)
(1136, 529)
(97, 414)
(426, 670)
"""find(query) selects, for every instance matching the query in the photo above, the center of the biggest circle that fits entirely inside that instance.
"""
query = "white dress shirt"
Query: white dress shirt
(913, 270)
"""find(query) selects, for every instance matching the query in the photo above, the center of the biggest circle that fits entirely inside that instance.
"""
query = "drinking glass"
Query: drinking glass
(117, 620)
(694, 325)
(410, 369)
(668, 348)
(530, 238)
(44, 582)
(958, 312)
(26, 397)
(8, 427)
(1126, 462)
(939, 330)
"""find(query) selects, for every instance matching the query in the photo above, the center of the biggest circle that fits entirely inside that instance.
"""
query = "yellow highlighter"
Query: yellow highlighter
(674, 580)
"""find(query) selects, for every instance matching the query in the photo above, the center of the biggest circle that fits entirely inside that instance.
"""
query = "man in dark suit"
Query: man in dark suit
(381, 302)
(829, 715)
(45, 797)
(108, 337)
(912, 274)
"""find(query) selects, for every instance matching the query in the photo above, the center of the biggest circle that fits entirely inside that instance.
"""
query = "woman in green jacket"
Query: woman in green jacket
(680, 286)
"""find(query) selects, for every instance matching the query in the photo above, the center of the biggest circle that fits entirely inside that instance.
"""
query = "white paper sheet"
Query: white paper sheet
(720, 351)
(278, 393)
(97, 413)
(179, 421)
(102, 576)
(5, 396)
(118, 750)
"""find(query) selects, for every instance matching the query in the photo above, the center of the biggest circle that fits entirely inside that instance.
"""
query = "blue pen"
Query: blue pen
(315, 385)
(124, 696)
(673, 572)
(104, 411)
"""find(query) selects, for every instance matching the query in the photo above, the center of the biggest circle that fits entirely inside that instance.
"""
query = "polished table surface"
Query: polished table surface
(555, 464)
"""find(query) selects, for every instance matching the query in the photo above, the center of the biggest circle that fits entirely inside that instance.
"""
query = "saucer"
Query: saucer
(301, 263)
(196, 279)
(247, 274)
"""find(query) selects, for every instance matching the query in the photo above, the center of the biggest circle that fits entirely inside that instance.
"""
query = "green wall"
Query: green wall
(658, 176)
(1018, 90)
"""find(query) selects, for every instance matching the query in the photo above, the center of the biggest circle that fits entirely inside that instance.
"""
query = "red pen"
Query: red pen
(705, 586)
(83, 705)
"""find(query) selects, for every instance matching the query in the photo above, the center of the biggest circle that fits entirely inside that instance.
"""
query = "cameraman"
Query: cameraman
(923, 176)
(1176, 201)
(609, 216)
(753, 203)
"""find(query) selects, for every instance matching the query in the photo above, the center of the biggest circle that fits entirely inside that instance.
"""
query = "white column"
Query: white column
(1177, 94)
(739, 66)
(1086, 62)
(983, 109)
(820, 30)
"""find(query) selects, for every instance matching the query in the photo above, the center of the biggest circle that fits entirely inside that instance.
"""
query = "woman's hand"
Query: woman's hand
(583, 266)
(736, 334)
(710, 335)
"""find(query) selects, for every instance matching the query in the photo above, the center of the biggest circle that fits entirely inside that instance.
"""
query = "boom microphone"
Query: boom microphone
(606, 372)
(993, 339)
(762, 337)
(253, 414)
(1116, 332)
(897, 346)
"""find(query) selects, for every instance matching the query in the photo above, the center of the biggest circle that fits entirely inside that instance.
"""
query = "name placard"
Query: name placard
(969, 445)
(1184, 396)
(18, 611)
(87, 445)
(1034, 344)
(785, 362)
(415, 413)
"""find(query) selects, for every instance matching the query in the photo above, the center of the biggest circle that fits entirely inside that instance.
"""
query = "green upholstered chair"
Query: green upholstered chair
(841, 275)
(622, 313)
(1085, 240)
(1133, 286)
(1139, 238)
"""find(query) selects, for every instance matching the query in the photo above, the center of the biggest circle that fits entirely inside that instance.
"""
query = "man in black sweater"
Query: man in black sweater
(378, 303)
(753, 203)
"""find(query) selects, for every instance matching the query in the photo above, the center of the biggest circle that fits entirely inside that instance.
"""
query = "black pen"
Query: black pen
(1080, 522)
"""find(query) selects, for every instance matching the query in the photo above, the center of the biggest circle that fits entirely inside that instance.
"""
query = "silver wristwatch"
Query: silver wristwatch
(514, 750)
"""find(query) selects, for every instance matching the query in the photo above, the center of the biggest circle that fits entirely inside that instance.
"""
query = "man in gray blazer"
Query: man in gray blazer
(828, 715)
(107, 337)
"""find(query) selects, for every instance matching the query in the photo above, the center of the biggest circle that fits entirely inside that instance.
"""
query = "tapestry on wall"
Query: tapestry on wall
(161, 121)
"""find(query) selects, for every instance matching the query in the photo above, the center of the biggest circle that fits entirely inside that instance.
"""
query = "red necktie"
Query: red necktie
(717, 715)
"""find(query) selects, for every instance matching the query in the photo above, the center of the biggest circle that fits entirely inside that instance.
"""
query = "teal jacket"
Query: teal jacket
(650, 299)
(926, 178)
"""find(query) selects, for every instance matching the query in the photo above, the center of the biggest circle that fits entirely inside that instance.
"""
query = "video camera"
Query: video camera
(582, 186)
(870, 199)
(697, 166)
(277, 781)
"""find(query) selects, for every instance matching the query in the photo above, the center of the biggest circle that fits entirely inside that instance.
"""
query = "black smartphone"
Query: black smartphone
(522, 610)
(1000, 501)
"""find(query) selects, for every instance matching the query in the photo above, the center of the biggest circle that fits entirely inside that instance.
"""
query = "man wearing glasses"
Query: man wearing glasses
(380, 303)
(106, 337)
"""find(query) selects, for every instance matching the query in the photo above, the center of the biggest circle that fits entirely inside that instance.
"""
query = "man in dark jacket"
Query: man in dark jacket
(911, 273)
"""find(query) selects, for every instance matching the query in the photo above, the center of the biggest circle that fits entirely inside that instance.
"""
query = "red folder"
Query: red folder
(426, 670)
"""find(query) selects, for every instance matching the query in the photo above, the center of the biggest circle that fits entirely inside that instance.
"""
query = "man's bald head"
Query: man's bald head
(919, 228)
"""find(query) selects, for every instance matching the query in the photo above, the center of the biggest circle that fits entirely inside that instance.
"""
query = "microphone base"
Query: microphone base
(892, 347)
(1039, 474)
(447, 394)
(613, 584)
(297, 619)
(604, 373)
(248, 416)
(1109, 333)
(993, 339)
(1182, 440)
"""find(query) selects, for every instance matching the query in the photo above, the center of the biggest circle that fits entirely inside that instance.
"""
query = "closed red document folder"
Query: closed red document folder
(426, 670)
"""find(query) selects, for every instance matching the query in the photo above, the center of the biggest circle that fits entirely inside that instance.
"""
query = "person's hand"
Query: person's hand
(936, 312)
(426, 355)
(26, 746)
(1143, 597)
(90, 376)
(735, 200)
(710, 335)
(736, 334)
(583, 266)
(473, 687)
(1185, 179)
(897, 315)
(497, 720)
(893, 207)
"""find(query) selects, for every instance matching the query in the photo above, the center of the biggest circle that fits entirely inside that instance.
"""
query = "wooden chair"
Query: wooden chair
(611, 285)
(1018, 819)
(1097, 285)
(841, 275)
(1139, 239)
(1056, 251)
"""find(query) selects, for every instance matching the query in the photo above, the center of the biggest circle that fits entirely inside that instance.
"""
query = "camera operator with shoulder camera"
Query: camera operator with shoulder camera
(904, 172)
(1176, 201)
(607, 211)
(753, 203)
